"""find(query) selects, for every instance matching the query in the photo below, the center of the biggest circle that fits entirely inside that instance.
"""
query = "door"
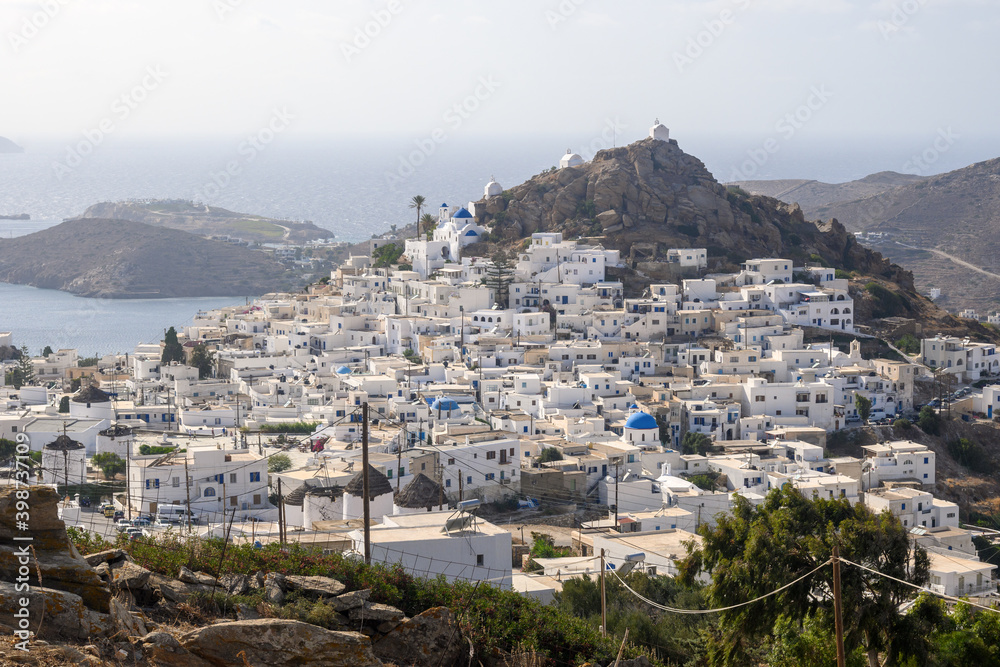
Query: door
(152, 508)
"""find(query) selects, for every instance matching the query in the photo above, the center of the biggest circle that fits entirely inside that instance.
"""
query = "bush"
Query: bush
(549, 454)
(147, 450)
(887, 302)
(289, 427)
(929, 421)
(902, 423)
(278, 463)
(695, 443)
(705, 482)
(909, 344)
(970, 454)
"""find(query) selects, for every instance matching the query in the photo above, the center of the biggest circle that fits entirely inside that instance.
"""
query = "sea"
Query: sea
(353, 186)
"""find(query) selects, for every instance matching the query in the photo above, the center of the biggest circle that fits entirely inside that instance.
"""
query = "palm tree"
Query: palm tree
(418, 203)
(429, 223)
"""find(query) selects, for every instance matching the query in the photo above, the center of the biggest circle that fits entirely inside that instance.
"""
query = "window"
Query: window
(176, 481)
(256, 499)
(255, 477)
(232, 501)
(209, 492)
(232, 478)
(451, 462)
(479, 560)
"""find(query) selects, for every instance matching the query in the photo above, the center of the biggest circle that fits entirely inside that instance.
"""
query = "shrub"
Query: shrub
(278, 463)
(909, 344)
(901, 423)
(289, 427)
(929, 421)
(887, 302)
(549, 454)
(970, 454)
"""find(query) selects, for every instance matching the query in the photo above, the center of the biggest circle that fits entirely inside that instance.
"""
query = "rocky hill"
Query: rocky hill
(8, 146)
(650, 196)
(945, 228)
(122, 259)
(209, 221)
(814, 195)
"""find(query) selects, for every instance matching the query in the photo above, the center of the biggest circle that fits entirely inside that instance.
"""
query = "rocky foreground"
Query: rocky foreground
(99, 609)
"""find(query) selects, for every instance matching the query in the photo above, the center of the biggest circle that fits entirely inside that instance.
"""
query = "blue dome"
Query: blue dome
(444, 206)
(634, 406)
(641, 420)
(472, 232)
(462, 213)
(343, 370)
(444, 404)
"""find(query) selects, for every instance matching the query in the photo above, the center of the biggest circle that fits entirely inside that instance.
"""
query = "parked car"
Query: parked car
(141, 522)
(133, 533)
(123, 525)
(84, 502)
(118, 515)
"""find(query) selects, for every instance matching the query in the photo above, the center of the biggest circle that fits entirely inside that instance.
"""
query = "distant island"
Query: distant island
(124, 259)
(209, 221)
(8, 146)
(17, 216)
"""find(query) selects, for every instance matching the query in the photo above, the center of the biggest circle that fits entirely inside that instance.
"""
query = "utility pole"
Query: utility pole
(461, 497)
(281, 523)
(128, 481)
(440, 481)
(604, 601)
(399, 460)
(838, 618)
(616, 496)
(187, 485)
(364, 479)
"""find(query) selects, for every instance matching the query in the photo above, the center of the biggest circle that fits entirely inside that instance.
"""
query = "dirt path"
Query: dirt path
(956, 260)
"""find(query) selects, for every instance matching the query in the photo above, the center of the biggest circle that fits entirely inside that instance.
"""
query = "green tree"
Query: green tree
(110, 464)
(64, 404)
(387, 255)
(278, 463)
(863, 406)
(695, 443)
(203, 359)
(418, 203)
(47, 351)
(499, 274)
(24, 373)
(757, 550)
(429, 224)
(172, 349)
(929, 421)
(549, 454)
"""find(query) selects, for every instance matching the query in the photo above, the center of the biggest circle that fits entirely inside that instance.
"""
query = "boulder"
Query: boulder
(173, 590)
(317, 586)
(163, 649)
(126, 623)
(103, 571)
(200, 578)
(274, 590)
(110, 556)
(235, 584)
(129, 575)
(430, 636)
(61, 565)
(52, 613)
(609, 218)
(376, 613)
(272, 642)
(245, 612)
(351, 600)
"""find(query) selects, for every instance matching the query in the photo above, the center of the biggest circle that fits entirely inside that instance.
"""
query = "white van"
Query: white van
(172, 514)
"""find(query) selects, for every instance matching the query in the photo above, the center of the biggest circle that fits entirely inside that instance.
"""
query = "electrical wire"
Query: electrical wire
(919, 587)
(674, 610)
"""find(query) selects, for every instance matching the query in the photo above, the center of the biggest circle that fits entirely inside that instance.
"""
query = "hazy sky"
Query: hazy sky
(727, 67)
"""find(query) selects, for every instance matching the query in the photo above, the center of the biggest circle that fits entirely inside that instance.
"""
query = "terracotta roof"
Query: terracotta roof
(422, 491)
(378, 484)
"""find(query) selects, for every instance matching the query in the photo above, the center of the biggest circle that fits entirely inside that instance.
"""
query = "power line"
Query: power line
(674, 610)
(919, 587)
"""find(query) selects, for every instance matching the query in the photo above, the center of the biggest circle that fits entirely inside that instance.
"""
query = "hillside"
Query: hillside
(930, 223)
(650, 196)
(813, 195)
(122, 259)
(210, 221)
(8, 146)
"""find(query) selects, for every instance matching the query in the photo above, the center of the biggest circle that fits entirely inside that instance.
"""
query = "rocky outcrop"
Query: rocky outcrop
(427, 637)
(53, 558)
(652, 191)
(277, 642)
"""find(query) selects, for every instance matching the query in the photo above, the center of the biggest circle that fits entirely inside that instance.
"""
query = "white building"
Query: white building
(900, 460)
(454, 544)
